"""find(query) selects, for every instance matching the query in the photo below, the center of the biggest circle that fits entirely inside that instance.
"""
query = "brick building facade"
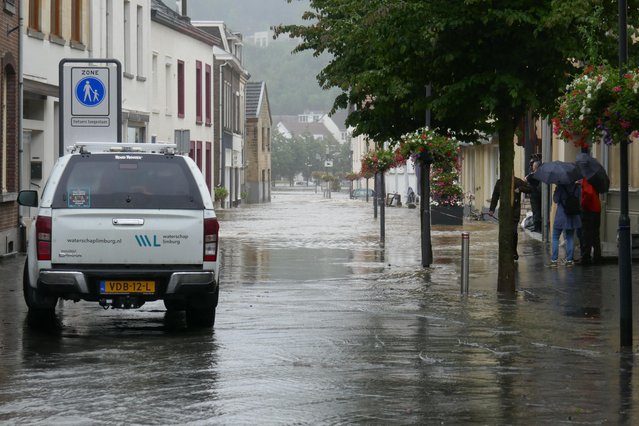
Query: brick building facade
(9, 127)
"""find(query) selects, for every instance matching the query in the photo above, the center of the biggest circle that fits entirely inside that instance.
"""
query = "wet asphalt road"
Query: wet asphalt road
(319, 325)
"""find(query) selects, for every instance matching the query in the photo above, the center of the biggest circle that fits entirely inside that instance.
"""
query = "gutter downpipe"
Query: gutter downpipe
(22, 224)
(221, 131)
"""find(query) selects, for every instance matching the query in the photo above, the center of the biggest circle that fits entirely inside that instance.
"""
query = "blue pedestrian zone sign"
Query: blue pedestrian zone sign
(89, 91)
(90, 95)
(90, 103)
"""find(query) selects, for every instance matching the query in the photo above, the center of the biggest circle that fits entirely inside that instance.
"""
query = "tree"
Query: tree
(488, 62)
(283, 157)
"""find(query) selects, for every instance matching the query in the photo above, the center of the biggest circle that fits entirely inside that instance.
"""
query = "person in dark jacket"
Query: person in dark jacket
(519, 187)
(535, 195)
(564, 223)
(591, 222)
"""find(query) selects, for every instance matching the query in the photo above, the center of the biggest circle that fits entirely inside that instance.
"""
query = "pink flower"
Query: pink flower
(616, 89)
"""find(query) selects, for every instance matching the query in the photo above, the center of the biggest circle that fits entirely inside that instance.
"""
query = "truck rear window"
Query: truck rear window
(127, 181)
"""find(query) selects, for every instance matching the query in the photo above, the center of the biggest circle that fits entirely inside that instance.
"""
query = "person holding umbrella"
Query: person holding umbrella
(595, 181)
(564, 175)
(567, 220)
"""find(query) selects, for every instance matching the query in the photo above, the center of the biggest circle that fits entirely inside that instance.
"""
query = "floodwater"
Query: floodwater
(318, 324)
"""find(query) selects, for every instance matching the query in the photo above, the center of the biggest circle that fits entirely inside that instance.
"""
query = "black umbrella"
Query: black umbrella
(592, 170)
(557, 172)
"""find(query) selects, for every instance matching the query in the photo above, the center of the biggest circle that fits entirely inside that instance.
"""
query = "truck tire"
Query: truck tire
(174, 305)
(200, 311)
(37, 302)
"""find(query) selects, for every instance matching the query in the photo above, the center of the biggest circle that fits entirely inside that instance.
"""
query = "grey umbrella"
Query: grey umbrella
(592, 170)
(557, 172)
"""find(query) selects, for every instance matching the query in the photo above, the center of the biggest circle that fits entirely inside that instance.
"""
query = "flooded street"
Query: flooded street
(317, 324)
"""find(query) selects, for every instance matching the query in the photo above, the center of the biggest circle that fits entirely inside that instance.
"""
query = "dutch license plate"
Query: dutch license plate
(126, 286)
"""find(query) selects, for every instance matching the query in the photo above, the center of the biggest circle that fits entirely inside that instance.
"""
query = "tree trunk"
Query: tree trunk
(506, 265)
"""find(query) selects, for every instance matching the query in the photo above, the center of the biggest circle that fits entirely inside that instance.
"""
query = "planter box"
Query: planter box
(446, 215)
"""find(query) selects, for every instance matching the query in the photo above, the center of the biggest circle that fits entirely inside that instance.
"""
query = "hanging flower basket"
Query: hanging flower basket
(443, 153)
(429, 146)
(380, 161)
(599, 105)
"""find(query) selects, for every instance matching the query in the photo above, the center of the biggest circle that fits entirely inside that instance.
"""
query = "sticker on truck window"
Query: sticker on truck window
(79, 198)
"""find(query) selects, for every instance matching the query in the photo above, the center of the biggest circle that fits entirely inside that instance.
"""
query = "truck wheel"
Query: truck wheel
(174, 305)
(36, 301)
(200, 311)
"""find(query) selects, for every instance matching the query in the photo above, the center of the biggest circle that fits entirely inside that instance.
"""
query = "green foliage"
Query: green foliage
(220, 193)
(351, 176)
(486, 62)
(304, 154)
(427, 145)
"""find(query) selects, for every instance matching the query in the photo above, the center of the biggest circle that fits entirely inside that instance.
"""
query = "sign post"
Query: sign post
(90, 101)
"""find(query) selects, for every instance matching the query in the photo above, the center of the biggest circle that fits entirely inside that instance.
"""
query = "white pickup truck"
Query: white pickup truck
(123, 224)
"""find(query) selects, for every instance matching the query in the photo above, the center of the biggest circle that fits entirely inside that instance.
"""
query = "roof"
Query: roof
(255, 93)
(296, 127)
(168, 17)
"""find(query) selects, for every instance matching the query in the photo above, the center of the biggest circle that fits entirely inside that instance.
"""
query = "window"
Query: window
(34, 15)
(109, 28)
(180, 89)
(209, 161)
(10, 6)
(227, 105)
(268, 139)
(168, 88)
(56, 29)
(198, 92)
(140, 41)
(198, 154)
(236, 109)
(76, 21)
(127, 37)
(207, 96)
(136, 134)
(154, 77)
(152, 182)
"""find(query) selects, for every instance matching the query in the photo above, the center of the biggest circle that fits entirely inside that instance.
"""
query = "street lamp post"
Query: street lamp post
(625, 271)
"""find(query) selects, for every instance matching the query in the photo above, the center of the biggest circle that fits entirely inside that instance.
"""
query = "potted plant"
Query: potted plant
(440, 154)
(220, 193)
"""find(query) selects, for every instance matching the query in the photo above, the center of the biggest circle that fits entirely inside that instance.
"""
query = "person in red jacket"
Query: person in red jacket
(591, 221)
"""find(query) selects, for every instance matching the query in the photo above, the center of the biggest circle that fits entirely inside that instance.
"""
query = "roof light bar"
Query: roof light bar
(92, 147)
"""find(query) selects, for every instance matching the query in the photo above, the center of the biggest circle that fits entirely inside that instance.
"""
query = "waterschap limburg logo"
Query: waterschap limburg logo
(145, 241)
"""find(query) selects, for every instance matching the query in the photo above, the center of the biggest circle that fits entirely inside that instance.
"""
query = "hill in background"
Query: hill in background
(290, 78)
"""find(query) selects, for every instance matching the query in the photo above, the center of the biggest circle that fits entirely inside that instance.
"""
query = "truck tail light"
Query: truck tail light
(43, 237)
(211, 230)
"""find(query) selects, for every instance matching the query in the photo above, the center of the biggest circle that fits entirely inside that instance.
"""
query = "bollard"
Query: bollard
(464, 261)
